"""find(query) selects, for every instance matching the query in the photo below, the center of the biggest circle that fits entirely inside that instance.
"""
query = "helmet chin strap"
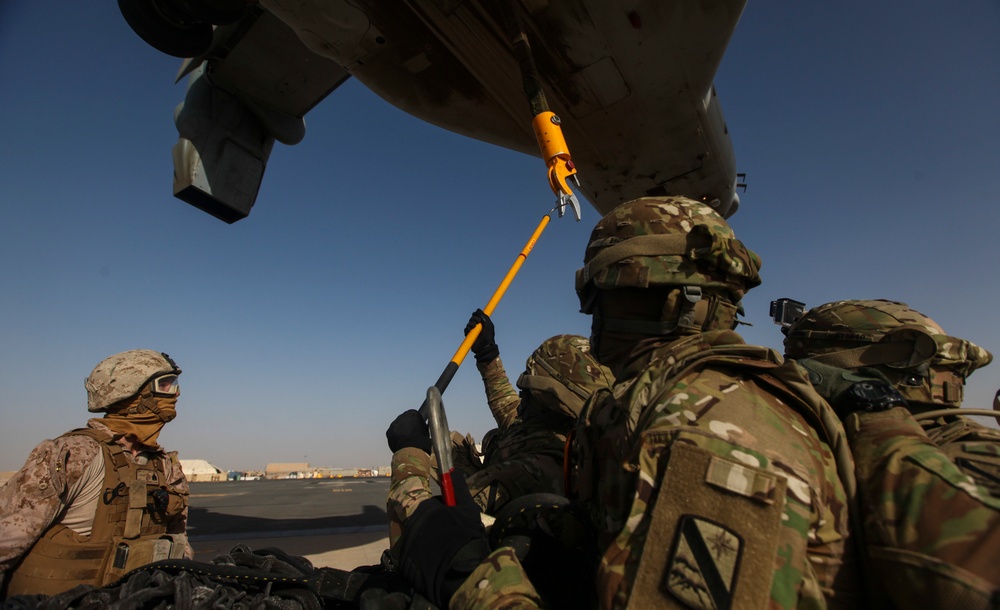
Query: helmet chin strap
(143, 418)
(687, 309)
(162, 408)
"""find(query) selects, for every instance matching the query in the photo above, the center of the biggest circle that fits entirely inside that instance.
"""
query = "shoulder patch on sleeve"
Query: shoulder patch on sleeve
(738, 478)
(713, 534)
(703, 563)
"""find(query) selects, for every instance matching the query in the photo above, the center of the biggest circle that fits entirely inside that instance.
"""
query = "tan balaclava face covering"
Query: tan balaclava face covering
(142, 417)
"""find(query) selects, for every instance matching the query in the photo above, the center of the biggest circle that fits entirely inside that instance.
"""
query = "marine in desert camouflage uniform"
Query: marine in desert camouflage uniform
(716, 475)
(52, 533)
(930, 490)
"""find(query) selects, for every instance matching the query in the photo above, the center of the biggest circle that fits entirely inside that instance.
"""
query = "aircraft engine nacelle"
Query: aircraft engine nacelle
(179, 27)
(222, 152)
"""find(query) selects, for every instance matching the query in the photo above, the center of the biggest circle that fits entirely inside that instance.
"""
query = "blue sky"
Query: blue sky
(868, 132)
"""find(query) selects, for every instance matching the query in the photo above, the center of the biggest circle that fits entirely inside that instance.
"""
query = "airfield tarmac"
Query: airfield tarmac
(337, 523)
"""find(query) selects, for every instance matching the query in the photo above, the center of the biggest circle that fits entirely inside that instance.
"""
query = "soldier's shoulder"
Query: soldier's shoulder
(53, 463)
(78, 444)
(960, 429)
(68, 440)
(498, 582)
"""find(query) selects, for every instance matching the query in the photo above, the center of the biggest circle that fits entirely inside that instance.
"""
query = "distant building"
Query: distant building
(201, 470)
(331, 473)
(244, 475)
(287, 470)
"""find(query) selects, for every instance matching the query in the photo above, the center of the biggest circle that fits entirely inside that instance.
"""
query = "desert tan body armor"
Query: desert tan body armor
(130, 528)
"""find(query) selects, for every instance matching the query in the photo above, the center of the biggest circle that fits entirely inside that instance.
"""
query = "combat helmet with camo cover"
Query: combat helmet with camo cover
(926, 365)
(124, 375)
(562, 373)
(680, 248)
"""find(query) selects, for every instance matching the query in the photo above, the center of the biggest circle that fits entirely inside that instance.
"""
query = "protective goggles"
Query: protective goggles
(166, 385)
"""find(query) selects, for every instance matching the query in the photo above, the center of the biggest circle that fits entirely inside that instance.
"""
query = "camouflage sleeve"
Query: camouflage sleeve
(483, 490)
(973, 447)
(180, 491)
(498, 583)
(502, 397)
(536, 467)
(35, 496)
(932, 534)
(410, 485)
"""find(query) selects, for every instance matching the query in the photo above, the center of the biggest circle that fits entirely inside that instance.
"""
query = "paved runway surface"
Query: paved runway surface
(339, 523)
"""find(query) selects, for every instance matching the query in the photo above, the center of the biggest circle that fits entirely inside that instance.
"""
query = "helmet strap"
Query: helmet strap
(691, 298)
(636, 327)
(721, 314)
(953, 392)
(146, 402)
(688, 309)
(141, 419)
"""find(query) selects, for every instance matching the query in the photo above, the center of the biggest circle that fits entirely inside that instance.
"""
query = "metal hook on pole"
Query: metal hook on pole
(546, 125)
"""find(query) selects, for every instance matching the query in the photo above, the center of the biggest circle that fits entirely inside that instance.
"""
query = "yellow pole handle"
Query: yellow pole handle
(432, 408)
(470, 338)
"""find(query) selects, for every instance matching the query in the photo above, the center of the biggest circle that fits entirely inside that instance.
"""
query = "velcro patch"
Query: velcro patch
(708, 547)
(749, 482)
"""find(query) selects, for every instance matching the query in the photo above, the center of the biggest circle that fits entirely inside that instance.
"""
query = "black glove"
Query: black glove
(409, 430)
(441, 545)
(485, 347)
(847, 391)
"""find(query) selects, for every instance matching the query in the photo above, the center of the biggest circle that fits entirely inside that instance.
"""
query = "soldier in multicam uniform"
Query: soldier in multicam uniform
(710, 469)
(715, 474)
(98, 501)
(930, 491)
(525, 453)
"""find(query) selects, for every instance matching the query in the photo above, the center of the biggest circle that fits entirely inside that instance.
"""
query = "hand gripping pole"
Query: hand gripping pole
(440, 435)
